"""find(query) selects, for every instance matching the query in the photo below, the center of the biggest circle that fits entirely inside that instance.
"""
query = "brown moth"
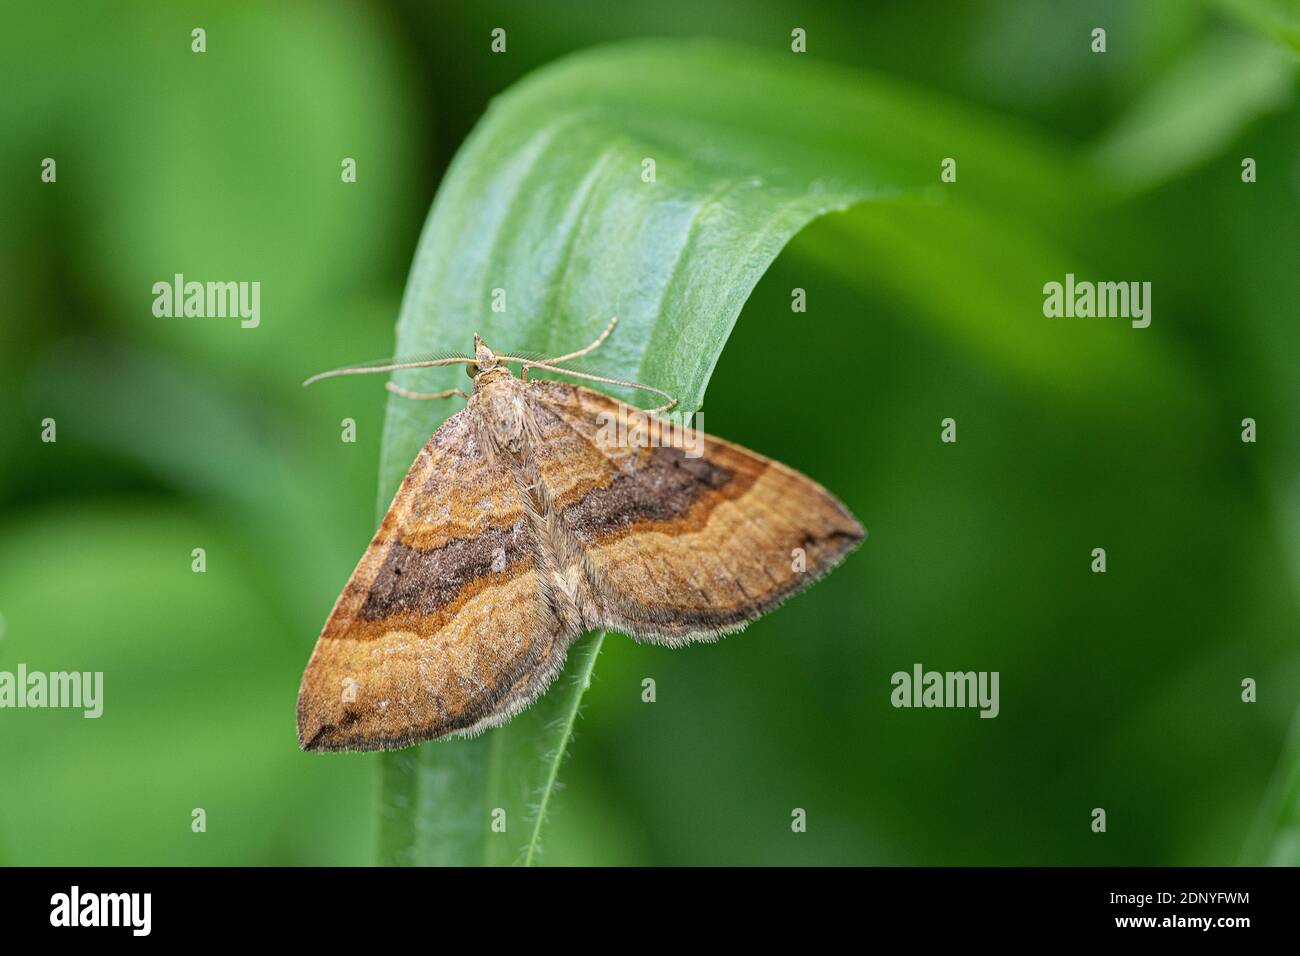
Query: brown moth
(537, 512)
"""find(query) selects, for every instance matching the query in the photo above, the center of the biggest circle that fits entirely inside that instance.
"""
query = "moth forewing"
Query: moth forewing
(683, 547)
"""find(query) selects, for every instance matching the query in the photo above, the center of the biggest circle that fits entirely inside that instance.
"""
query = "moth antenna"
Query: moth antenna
(608, 381)
(392, 367)
(590, 348)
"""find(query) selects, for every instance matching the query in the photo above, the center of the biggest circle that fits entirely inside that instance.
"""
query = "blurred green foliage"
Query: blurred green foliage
(1118, 690)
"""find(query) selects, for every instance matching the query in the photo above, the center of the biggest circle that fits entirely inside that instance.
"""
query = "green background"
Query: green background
(1119, 690)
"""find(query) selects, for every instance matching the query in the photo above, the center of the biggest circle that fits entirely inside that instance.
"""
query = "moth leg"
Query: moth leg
(424, 396)
(672, 402)
(590, 348)
(524, 372)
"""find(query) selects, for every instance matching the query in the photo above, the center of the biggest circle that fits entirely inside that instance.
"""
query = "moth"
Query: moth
(539, 511)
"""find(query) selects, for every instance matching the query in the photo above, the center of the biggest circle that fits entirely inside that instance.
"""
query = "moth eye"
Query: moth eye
(471, 369)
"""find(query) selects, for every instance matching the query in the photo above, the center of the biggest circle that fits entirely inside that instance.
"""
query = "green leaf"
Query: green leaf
(1191, 113)
(551, 200)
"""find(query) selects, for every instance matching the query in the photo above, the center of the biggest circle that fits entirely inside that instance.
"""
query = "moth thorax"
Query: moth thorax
(503, 409)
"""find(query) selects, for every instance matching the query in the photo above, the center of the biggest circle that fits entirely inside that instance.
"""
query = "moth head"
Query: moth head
(484, 359)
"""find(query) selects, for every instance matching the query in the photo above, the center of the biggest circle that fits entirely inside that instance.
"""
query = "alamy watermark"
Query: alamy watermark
(922, 688)
(74, 690)
(209, 300)
(1101, 300)
(75, 908)
(633, 428)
